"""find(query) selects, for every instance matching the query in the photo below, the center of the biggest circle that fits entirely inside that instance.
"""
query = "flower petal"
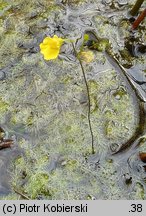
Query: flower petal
(50, 53)
(50, 47)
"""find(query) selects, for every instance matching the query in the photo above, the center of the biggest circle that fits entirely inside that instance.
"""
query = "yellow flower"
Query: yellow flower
(50, 47)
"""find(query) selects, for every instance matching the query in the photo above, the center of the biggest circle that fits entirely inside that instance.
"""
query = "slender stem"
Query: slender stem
(136, 7)
(89, 102)
(139, 19)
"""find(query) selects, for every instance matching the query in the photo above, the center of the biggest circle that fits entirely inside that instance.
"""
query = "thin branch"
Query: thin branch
(136, 7)
(89, 102)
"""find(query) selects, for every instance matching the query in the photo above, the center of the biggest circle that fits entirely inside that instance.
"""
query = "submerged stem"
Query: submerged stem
(89, 102)
(136, 7)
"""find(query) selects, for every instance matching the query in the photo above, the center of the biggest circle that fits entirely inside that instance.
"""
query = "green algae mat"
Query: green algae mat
(46, 144)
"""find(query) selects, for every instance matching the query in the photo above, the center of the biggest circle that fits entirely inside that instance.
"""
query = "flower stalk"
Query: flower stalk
(89, 102)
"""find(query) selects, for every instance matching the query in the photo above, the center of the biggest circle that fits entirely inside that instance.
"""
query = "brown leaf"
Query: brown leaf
(5, 143)
(142, 156)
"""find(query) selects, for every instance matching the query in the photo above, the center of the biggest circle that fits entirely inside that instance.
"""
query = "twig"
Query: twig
(22, 195)
(136, 7)
(139, 19)
(89, 102)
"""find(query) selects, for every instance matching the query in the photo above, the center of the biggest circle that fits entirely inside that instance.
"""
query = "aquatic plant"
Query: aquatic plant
(50, 48)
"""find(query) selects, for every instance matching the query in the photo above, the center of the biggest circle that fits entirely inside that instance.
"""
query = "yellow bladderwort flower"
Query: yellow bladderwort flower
(50, 47)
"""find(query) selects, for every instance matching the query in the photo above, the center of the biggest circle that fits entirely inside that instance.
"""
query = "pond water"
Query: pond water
(44, 104)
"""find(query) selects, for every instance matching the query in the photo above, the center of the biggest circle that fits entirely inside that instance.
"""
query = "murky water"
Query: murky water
(44, 104)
